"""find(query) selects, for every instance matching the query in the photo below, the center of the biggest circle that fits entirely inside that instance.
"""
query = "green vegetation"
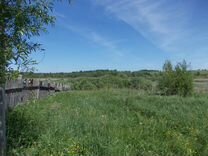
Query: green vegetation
(177, 81)
(21, 20)
(95, 73)
(91, 83)
(111, 113)
(109, 123)
(104, 79)
(146, 80)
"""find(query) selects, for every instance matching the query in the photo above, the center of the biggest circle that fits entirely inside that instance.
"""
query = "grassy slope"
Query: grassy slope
(110, 123)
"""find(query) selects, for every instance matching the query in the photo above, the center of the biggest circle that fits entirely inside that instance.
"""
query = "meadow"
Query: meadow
(111, 113)
(110, 122)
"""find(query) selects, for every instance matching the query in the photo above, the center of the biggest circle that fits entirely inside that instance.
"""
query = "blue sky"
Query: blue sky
(125, 35)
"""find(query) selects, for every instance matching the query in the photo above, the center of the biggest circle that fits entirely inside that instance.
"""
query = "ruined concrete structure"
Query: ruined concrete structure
(19, 92)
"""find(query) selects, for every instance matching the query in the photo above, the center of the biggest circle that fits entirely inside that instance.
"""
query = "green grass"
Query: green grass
(109, 123)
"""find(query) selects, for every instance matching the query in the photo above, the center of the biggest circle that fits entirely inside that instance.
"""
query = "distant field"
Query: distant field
(145, 80)
(110, 123)
(201, 85)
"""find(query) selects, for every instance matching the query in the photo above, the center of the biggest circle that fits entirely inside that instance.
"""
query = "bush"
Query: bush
(177, 81)
(110, 81)
(184, 79)
(84, 85)
(141, 84)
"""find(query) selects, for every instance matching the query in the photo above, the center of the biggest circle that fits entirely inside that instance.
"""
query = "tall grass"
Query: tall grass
(109, 123)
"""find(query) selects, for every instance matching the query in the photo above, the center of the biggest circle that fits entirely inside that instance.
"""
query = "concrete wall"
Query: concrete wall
(18, 92)
(2, 124)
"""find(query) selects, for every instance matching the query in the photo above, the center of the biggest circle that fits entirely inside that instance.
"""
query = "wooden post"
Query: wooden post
(2, 124)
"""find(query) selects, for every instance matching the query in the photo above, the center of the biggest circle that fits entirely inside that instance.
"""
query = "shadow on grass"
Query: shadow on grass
(22, 130)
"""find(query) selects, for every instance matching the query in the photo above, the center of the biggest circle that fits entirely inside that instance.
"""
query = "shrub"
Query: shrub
(84, 85)
(177, 81)
(141, 84)
(184, 79)
(110, 81)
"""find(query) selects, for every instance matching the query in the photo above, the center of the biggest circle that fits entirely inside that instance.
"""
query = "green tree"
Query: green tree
(176, 81)
(167, 81)
(20, 20)
(184, 79)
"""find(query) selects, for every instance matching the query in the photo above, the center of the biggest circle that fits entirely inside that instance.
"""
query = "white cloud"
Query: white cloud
(97, 39)
(59, 15)
(165, 23)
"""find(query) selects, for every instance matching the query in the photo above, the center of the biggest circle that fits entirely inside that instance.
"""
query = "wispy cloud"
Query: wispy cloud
(59, 15)
(96, 39)
(165, 23)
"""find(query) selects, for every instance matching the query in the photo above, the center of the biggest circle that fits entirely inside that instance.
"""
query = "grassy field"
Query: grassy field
(109, 123)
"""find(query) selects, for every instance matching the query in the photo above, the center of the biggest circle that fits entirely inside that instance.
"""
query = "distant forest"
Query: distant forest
(99, 73)
(95, 73)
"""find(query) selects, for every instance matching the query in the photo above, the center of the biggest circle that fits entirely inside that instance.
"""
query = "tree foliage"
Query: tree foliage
(20, 20)
(176, 81)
